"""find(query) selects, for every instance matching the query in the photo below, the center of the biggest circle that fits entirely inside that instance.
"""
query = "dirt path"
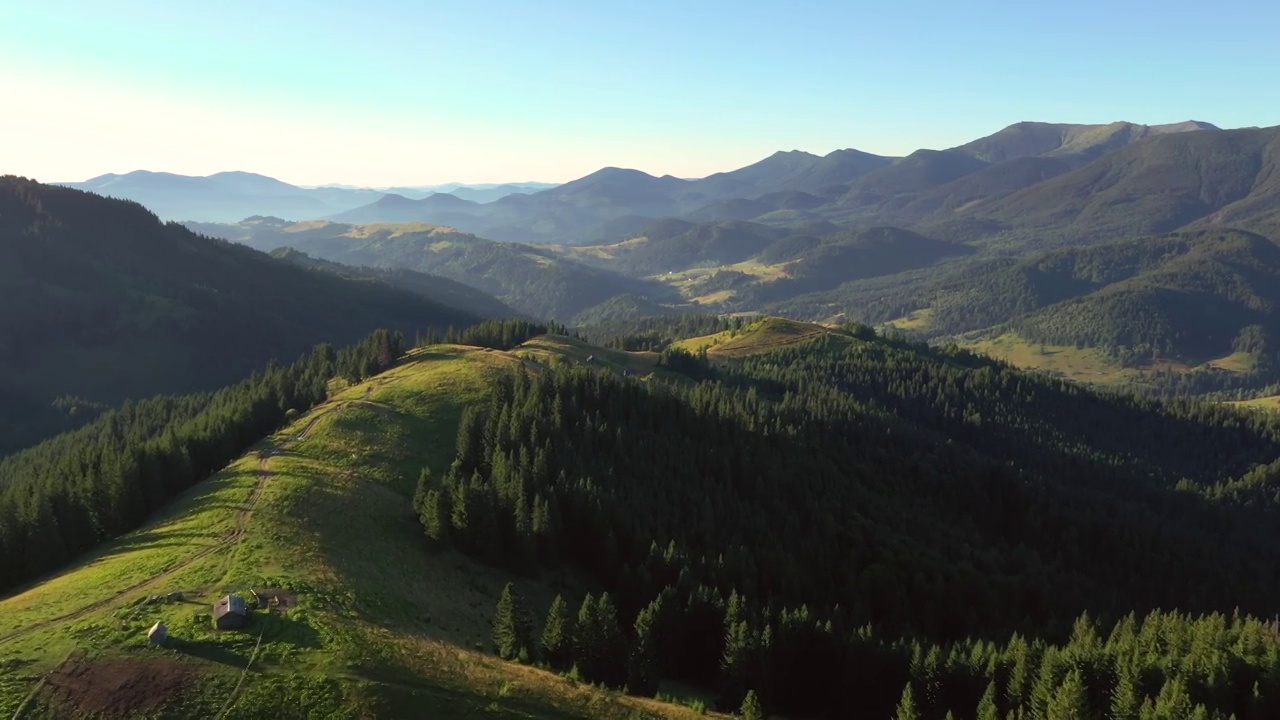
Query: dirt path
(236, 533)
(225, 542)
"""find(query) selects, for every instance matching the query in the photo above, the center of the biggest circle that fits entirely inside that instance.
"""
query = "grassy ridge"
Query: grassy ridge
(381, 625)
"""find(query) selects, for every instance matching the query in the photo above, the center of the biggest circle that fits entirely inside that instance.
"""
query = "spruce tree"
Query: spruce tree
(1126, 704)
(512, 627)
(588, 645)
(642, 668)
(613, 657)
(751, 709)
(557, 635)
(907, 708)
(420, 492)
(987, 709)
(435, 516)
(1173, 701)
(1070, 701)
(736, 657)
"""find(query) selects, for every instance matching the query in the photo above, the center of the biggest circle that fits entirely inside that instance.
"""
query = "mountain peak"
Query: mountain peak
(444, 199)
(612, 173)
(1184, 126)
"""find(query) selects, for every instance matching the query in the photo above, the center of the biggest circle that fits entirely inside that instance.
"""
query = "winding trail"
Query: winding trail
(226, 542)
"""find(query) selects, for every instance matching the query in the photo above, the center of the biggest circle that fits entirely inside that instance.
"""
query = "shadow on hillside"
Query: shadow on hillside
(209, 651)
(161, 539)
(283, 630)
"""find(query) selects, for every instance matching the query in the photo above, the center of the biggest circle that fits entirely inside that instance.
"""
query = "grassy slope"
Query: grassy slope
(1270, 402)
(1078, 364)
(760, 336)
(1083, 364)
(547, 348)
(920, 320)
(384, 626)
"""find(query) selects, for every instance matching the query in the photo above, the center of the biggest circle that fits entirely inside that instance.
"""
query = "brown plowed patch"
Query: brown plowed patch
(117, 687)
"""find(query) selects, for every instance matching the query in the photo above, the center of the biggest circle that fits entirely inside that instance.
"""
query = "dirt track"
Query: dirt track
(227, 541)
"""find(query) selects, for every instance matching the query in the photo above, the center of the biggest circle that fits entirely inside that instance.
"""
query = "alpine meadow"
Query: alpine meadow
(436, 361)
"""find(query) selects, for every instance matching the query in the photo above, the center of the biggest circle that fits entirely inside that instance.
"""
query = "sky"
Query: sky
(383, 93)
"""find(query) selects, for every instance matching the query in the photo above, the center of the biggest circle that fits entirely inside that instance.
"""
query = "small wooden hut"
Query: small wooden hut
(230, 612)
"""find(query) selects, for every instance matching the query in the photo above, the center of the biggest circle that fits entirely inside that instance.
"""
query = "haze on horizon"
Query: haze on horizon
(384, 93)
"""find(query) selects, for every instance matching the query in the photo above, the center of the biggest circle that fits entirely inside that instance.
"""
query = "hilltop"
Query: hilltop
(318, 515)
(386, 520)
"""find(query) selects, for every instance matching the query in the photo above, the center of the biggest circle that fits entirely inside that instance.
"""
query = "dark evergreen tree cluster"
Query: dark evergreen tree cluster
(498, 334)
(656, 333)
(72, 492)
(782, 527)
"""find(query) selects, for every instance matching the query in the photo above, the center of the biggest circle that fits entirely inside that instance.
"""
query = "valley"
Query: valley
(974, 236)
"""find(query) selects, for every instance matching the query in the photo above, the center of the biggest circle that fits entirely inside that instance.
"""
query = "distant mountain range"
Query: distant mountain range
(992, 185)
(941, 242)
(234, 196)
(954, 194)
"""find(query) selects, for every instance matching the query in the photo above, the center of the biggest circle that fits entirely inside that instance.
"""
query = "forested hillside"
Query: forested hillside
(66, 495)
(432, 287)
(103, 302)
(532, 280)
(1157, 185)
(789, 526)
(802, 518)
(1195, 307)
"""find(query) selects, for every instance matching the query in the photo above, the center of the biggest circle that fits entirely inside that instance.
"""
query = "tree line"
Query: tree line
(68, 494)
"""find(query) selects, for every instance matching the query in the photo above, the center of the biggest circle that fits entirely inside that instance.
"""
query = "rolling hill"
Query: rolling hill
(532, 280)
(432, 287)
(665, 246)
(1198, 304)
(812, 512)
(103, 302)
(366, 619)
(393, 208)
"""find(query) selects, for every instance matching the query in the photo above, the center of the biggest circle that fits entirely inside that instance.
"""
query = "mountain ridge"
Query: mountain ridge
(89, 281)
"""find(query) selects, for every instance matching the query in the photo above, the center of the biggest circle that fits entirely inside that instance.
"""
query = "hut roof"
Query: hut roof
(230, 605)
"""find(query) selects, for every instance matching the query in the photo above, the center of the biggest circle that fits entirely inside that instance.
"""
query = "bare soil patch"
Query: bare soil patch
(117, 687)
(278, 598)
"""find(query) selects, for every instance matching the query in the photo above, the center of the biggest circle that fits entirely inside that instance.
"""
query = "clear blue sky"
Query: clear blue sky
(379, 92)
